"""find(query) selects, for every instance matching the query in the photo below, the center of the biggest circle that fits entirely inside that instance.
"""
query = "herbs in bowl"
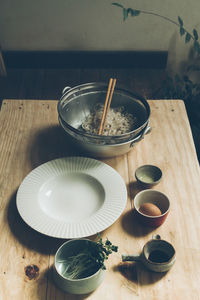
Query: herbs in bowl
(79, 266)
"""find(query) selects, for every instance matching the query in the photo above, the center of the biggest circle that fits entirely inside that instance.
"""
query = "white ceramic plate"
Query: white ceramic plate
(71, 197)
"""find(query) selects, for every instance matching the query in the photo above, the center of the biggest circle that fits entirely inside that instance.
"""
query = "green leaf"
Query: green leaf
(108, 243)
(114, 248)
(125, 14)
(180, 21)
(195, 33)
(197, 47)
(117, 4)
(187, 38)
(130, 11)
(182, 31)
(133, 12)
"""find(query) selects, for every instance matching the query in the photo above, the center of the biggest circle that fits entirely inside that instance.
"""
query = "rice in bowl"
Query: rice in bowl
(118, 121)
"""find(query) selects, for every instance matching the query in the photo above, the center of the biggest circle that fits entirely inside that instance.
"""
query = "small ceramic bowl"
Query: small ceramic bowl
(148, 175)
(74, 286)
(157, 198)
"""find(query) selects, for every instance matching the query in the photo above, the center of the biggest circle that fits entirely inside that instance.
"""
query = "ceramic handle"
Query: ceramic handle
(131, 257)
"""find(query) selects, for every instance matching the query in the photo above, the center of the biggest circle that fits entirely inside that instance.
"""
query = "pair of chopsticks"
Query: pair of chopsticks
(111, 87)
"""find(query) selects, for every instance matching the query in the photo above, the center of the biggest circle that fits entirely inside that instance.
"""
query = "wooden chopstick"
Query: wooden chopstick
(105, 105)
(109, 95)
(109, 101)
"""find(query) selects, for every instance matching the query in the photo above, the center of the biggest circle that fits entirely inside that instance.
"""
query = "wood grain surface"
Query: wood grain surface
(30, 135)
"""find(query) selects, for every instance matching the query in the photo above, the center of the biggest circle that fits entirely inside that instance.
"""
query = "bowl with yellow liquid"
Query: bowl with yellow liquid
(148, 175)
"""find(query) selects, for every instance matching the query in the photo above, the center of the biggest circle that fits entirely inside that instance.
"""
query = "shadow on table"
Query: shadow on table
(26, 235)
(51, 143)
(131, 225)
(135, 273)
(129, 221)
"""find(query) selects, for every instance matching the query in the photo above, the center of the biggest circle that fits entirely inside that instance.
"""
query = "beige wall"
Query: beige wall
(94, 25)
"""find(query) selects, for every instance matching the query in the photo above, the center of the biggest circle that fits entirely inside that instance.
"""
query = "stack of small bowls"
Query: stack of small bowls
(159, 205)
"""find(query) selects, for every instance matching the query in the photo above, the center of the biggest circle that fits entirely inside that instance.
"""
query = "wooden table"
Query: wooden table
(30, 136)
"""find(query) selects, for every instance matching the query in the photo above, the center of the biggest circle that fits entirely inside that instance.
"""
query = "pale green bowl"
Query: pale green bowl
(148, 175)
(74, 286)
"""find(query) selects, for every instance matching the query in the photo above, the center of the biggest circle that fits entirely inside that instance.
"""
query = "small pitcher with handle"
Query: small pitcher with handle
(157, 255)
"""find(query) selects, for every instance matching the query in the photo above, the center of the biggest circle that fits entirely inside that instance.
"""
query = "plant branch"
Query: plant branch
(160, 16)
(167, 19)
(177, 87)
(183, 31)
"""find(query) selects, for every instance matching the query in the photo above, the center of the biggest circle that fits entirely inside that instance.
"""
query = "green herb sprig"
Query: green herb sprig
(89, 260)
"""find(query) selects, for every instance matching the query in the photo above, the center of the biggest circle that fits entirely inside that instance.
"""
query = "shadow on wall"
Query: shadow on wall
(178, 54)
